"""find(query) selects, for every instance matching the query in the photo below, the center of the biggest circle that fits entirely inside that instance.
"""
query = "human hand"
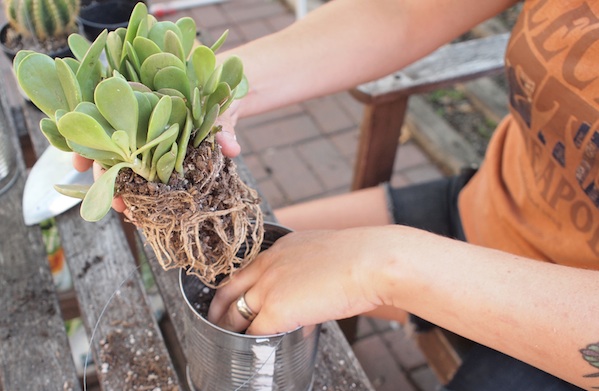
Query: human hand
(305, 278)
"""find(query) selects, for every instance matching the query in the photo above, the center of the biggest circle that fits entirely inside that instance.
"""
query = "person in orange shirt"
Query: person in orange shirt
(523, 281)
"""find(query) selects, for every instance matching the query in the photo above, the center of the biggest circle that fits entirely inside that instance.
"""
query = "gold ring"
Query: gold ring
(244, 309)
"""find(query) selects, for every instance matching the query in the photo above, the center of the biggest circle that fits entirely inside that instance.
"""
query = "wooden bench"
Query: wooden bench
(386, 104)
(131, 350)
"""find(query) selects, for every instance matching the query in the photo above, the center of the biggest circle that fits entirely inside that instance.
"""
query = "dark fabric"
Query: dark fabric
(486, 369)
(431, 206)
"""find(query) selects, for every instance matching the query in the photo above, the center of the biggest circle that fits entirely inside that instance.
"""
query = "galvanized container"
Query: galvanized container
(219, 359)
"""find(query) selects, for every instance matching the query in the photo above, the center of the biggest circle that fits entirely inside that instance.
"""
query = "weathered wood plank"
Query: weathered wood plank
(448, 65)
(379, 135)
(436, 137)
(34, 349)
(127, 345)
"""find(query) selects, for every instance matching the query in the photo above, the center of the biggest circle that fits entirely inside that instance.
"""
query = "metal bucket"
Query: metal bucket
(219, 359)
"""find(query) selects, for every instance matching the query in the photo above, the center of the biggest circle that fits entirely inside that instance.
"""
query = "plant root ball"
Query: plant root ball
(207, 220)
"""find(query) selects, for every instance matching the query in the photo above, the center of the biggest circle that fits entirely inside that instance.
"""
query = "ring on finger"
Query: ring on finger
(244, 309)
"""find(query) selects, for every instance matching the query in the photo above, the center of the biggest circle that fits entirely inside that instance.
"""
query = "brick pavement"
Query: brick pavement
(307, 151)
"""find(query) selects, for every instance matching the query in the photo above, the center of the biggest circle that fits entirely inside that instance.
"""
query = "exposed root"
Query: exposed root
(209, 223)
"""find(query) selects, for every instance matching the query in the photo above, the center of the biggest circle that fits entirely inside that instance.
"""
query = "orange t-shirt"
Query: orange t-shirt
(537, 192)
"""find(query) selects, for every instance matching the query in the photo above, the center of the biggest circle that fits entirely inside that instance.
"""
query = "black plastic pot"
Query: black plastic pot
(109, 15)
(10, 53)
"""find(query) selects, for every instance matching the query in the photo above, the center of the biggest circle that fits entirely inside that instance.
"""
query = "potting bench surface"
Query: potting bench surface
(130, 348)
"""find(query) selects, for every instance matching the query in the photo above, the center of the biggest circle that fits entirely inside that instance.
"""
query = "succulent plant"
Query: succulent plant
(42, 19)
(153, 95)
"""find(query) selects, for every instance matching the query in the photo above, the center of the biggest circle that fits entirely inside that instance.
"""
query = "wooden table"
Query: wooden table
(130, 348)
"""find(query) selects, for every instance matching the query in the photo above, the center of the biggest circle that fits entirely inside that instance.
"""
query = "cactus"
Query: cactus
(42, 19)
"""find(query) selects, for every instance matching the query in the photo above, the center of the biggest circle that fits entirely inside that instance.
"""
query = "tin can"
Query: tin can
(218, 359)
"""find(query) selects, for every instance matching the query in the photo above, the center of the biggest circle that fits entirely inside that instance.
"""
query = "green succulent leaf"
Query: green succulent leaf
(142, 29)
(196, 106)
(121, 138)
(38, 78)
(84, 130)
(172, 77)
(155, 63)
(92, 110)
(153, 98)
(172, 92)
(207, 125)
(132, 72)
(21, 54)
(162, 148)
(219, 96)
(78, 45)
(178, 112)
(219, 42)
(114, 49)
(159, 31)
(183, 143)
(144, 48)
(188, 29)
(89, 73)
(232, 71)
(75, 191)
(242, 89)
(166, 164)
(105, 158)
(117, 103)
(69, 83)
(98, 200)
(213, 81)
(172, 44)
(165, 135)
(203, 62)
(139, 87)
(132, 57)
(72, 63)
(139, 13)
(50, 131)
(159, 118)
(145, 111)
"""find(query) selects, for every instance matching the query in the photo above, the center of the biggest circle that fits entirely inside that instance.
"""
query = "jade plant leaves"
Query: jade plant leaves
(98, 199)
(94, 137)
(69, 83)
(202, 63)
(117, 103)
(89, 73)
(155, 63)
(187, 26)
(140, 108)
(232, 72)
(37, 76)
(50, 131)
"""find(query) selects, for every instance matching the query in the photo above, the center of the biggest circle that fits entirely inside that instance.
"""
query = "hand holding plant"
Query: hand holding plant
(148, 114)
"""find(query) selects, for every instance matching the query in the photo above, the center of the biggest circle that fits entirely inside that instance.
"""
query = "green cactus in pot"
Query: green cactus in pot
(43, 25)
(148, 115)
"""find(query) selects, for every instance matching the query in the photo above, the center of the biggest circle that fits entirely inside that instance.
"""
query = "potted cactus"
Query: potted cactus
(39, 25)
(147, 115)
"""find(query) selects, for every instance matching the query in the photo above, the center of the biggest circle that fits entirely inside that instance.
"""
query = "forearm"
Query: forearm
(538, 312)
(347, 42)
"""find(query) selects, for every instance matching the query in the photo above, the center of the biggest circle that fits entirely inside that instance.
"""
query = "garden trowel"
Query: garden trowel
(40, 200)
